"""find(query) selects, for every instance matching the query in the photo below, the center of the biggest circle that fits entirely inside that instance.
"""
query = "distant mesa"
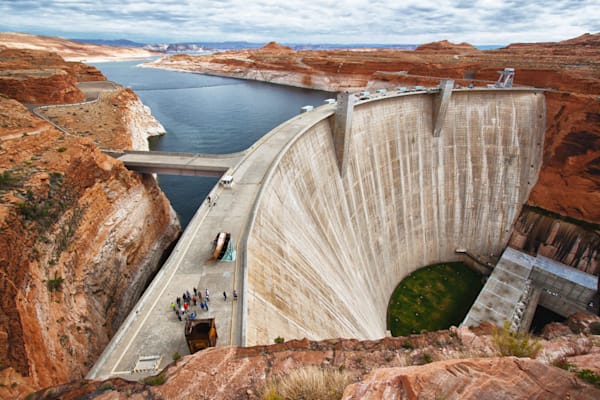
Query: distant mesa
(445, 45)
(586, 40)
(276, 47)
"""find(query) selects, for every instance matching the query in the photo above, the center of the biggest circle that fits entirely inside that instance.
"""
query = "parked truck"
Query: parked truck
(200, 334)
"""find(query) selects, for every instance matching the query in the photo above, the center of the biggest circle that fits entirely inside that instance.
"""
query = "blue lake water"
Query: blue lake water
(207, 114)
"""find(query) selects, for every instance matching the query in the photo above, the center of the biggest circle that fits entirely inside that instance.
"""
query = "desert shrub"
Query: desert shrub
(8, 180)
(589, 376)
(562, 363)
(427, 358)
(279, 340)
(55, 284)
(310, 383)
(595, 328)
(106, 386)
(155, 380)
(518, 344)
(176, 356)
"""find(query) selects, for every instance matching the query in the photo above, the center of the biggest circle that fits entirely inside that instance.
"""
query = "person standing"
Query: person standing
(224, 296)
(235, 294)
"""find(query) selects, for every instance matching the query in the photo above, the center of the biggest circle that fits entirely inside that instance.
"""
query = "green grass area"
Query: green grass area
(433, 298)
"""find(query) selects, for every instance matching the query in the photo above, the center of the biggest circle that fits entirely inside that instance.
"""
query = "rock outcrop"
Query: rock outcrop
(464, 360)
(80, 235)
(487, 378)
(446, 46)
(117, 120)
(555, 237)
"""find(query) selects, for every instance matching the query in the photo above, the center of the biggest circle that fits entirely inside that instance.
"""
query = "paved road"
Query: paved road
(152, 328)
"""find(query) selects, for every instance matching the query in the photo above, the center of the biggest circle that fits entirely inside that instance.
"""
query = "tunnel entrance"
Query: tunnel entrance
(432, 298)
(542, 317)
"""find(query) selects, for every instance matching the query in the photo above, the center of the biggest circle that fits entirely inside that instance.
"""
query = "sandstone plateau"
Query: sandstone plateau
(80, 235)
(70, 50)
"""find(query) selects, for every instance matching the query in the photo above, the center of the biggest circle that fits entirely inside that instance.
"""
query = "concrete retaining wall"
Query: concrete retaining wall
(325, 252)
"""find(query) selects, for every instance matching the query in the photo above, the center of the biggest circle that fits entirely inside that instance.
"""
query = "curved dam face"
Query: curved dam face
(326, 250)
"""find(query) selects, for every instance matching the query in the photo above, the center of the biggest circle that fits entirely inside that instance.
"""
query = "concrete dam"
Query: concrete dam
(330, 210)
(328, 241)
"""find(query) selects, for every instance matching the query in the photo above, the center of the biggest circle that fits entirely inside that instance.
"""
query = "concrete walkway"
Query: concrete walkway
(149, 337)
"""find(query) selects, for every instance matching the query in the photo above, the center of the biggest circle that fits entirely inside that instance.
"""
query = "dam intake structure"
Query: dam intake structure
(326, 250)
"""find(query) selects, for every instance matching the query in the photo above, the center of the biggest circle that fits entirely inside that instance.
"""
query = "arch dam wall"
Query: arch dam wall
(325, 250)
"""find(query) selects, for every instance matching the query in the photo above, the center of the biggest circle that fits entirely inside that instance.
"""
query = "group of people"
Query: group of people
(183, 304)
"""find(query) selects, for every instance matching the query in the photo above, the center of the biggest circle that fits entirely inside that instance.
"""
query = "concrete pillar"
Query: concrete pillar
(342, 128)
(441, 105)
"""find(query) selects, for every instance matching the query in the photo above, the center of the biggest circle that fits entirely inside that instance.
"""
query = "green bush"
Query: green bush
(106, 386)
(595, 328)
(407, 345)
(518, 344)
(55, 285)
(176, 356)
(562, 363)
(427, 358)
(8, 180)
(589, 376)
(279, 340)
(310, 383)
(155, 380)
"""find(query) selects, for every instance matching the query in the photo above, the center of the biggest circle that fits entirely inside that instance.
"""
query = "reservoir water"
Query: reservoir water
(207, 114)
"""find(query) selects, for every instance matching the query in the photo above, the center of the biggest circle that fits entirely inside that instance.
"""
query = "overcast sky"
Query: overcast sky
(308, 21)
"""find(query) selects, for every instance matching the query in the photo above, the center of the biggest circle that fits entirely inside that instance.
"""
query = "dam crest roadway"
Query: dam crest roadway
(326, 224)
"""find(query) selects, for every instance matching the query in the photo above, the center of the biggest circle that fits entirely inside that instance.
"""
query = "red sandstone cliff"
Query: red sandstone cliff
(80, 235)
(37, 77)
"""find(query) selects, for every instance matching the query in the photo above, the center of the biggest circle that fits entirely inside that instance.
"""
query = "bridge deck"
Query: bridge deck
(178, 163)
(152, 328)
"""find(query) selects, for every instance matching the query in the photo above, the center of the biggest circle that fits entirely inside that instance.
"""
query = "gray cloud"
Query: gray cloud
(324, 21)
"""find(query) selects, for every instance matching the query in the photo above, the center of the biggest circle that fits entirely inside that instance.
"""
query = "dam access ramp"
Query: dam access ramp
(317, 217)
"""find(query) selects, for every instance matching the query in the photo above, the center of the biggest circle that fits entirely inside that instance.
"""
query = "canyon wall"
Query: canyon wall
(325, 250)
(80, 235)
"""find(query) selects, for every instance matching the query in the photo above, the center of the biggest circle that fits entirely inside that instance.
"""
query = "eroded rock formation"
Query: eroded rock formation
(487, 378)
